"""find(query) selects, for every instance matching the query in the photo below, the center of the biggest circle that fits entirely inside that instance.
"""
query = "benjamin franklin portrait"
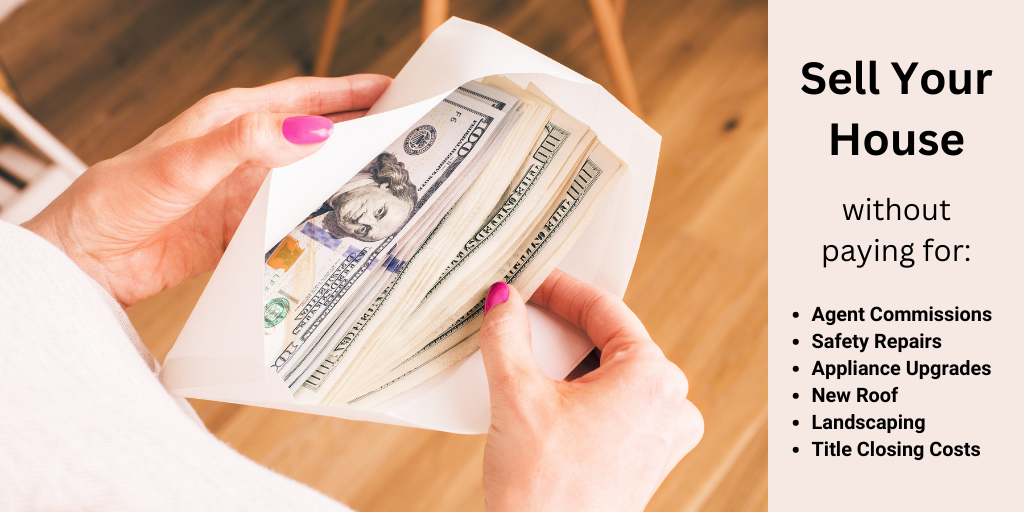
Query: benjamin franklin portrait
(375, 204)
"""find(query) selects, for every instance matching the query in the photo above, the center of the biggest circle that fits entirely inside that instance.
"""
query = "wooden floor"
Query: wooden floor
(102, 74)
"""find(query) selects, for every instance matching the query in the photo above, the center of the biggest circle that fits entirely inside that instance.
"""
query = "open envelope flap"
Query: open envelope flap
(218, 355)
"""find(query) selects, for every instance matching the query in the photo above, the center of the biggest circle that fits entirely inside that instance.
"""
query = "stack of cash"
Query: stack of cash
(383, 287)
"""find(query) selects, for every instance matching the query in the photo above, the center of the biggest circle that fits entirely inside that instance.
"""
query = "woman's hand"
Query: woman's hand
(604, 441)
(165, 210)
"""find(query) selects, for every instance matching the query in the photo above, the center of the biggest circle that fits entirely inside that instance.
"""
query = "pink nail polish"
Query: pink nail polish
(498, 294)
(307, 129)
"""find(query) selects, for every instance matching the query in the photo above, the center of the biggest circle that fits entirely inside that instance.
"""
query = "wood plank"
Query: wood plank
(746, 488)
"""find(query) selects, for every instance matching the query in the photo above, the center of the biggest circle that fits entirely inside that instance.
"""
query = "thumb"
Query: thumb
(186, 171)
(505, 346)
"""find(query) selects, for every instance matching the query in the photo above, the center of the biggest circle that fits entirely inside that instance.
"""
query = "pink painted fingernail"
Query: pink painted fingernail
(307, 129)
(498, 294)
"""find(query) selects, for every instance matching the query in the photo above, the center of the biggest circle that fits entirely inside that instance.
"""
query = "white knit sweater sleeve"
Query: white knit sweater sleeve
(84, 422)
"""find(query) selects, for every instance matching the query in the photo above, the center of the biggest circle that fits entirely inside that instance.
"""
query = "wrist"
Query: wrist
(43, 227)
(541, 488)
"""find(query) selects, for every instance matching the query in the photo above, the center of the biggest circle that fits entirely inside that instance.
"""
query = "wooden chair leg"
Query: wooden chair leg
(329, 36)
(610, 31)
(435, 12)
(620, 10)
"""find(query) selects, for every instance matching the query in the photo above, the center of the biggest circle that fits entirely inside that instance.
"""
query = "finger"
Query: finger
(341, 117)
(299, 95)
(609, 323)
(505, 345)
(182, 174)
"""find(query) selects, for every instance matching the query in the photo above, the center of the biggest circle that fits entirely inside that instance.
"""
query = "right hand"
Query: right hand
(604, 441)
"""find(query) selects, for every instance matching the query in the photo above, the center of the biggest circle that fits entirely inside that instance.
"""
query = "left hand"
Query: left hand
(165, 210)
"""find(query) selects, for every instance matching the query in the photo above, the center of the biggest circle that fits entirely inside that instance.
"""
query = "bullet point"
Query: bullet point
(795, 449)
(796, 395)
(796, 341)
(796, 368)
(796, 422)
(796, 315)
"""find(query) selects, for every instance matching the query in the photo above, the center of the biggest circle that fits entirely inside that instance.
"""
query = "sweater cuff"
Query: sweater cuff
(28, 251)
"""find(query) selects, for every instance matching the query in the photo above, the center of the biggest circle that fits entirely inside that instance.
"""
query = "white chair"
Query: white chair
(35, 177)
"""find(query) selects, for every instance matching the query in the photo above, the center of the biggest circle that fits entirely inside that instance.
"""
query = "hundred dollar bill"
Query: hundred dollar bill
(360, 322)
(538, 179)
(400, 291)
(563, 146)
(317, 268)
(493, 187)
(563, 223)
(383, 281)
(403, 292)
(396, 258)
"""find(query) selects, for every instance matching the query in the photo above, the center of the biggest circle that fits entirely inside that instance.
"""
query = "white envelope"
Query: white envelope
(219, 353)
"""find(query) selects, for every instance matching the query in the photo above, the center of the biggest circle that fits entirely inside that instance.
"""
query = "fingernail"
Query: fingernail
(307, 129)
(498, 294)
